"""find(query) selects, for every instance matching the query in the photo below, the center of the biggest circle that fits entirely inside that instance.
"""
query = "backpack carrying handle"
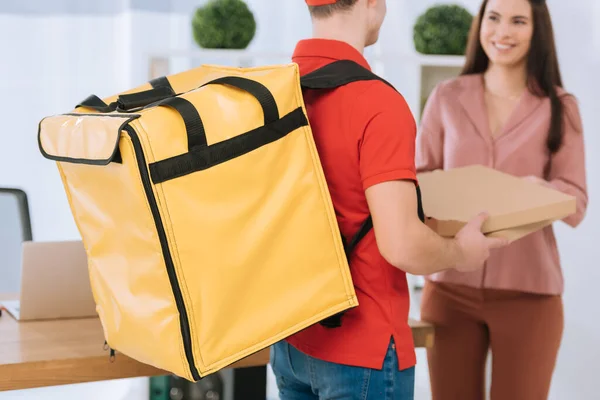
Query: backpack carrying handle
(193, 122)
(161, 89)
(162, 94)
(131, 101)
(256, 89)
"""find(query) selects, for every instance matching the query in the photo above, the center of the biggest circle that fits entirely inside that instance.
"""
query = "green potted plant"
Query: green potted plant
(442, 29)
(223, 24)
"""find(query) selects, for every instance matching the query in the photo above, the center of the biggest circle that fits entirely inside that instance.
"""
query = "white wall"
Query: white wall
(52, 61)
(44, 72)
(49, 63)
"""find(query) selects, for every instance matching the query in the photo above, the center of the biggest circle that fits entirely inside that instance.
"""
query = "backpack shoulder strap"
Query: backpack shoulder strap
(331, 76)
(362, 232)
(338, 73)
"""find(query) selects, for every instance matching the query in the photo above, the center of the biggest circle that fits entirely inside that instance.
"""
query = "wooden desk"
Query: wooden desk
(48, 353)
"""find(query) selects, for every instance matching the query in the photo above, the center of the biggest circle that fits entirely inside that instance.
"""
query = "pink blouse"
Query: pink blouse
(455, 132)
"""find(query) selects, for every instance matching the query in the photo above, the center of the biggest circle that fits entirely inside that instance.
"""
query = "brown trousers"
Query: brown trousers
(522, 330)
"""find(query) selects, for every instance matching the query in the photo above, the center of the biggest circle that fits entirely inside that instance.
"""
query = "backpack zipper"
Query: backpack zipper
(183, 317)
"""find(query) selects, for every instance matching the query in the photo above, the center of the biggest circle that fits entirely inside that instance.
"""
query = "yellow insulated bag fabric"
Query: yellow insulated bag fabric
(205, 214)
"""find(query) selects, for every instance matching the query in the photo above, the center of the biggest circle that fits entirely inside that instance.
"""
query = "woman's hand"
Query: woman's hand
(538, 180)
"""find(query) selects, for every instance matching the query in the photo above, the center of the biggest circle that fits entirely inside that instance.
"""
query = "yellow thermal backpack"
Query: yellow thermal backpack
(205, 213)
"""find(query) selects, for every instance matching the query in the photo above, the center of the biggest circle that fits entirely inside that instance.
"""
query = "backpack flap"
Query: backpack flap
(82, 138)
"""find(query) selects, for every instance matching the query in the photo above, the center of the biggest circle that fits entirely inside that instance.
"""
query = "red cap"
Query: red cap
(319, 2)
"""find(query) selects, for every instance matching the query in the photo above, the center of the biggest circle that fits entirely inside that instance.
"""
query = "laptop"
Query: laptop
(54, 282)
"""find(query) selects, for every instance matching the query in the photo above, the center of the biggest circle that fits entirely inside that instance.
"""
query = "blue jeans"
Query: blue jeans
(301, 377)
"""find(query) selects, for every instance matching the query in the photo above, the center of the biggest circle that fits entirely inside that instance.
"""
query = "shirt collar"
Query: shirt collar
(328, 48)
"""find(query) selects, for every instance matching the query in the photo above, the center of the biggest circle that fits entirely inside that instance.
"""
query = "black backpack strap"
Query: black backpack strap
(420, 210)
(161, 81)
(362, 232)
(338, 73)
(161, 89)
(331, 76)
(335, 321)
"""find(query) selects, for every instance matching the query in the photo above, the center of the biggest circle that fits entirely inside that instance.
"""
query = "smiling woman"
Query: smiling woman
(506, 31)
(516, 36)
(508, 110)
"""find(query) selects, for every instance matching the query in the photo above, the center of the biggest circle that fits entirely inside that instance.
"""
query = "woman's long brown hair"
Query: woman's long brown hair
(543, 73)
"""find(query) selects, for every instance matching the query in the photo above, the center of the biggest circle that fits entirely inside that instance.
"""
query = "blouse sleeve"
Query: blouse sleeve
(567, 167)
(430, 137)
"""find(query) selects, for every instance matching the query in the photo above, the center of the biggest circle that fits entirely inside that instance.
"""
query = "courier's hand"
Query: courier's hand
(474, 245)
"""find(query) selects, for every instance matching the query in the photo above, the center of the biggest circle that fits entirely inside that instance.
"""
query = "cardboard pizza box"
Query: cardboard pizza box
(516, 207)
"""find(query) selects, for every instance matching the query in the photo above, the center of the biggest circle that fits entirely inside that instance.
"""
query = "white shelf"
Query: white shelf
(414, 58)
(440, 61)
(220, 53)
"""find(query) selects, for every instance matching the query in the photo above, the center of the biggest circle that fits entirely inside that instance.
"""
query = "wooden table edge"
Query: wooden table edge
(74, 370)
(68, 371)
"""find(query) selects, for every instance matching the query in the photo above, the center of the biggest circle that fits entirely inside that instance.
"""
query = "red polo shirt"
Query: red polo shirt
(365, 134)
